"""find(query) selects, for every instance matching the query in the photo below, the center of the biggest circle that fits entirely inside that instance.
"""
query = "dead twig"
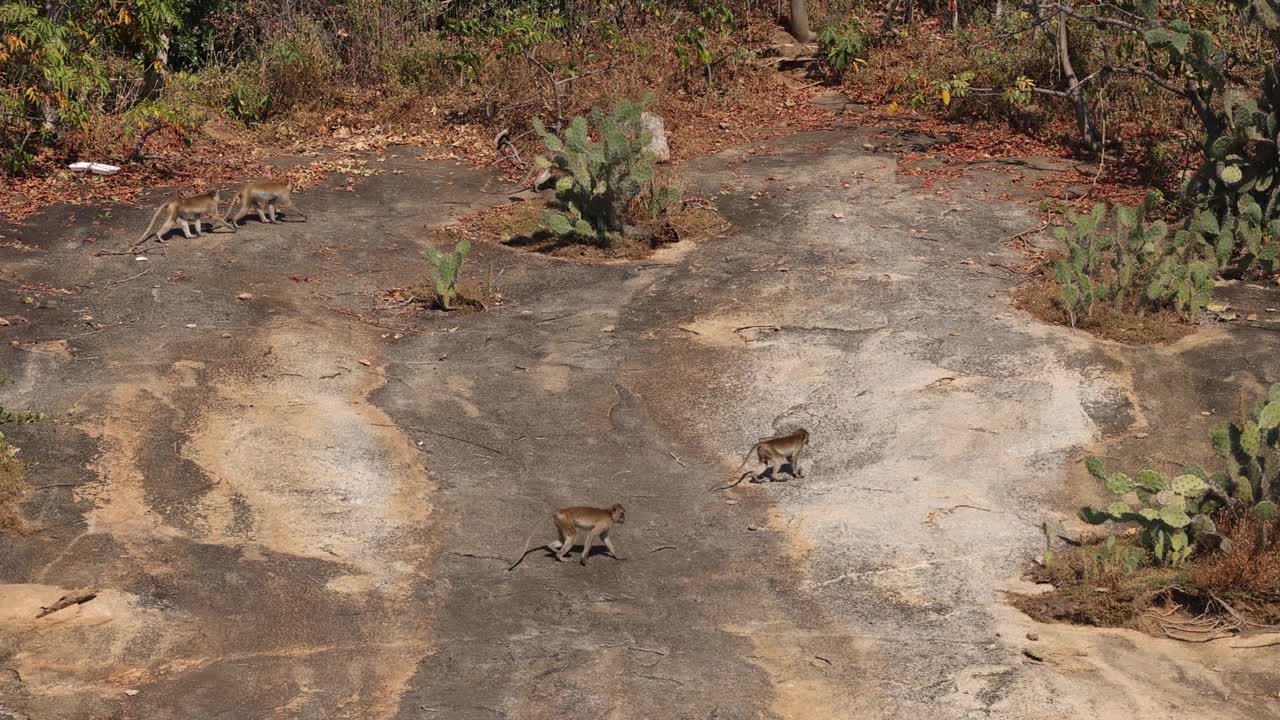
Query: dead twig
(67, 601)
(443, 435)
(655, 651)
(478, 557)
(663, 547)
(132, 277)
(678, 460)
(659, 679)
(1025, 233)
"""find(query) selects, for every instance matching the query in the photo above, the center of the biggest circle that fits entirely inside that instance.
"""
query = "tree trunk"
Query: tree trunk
(800, 21)
(158, 71)
(1075, 91)
(955, 16)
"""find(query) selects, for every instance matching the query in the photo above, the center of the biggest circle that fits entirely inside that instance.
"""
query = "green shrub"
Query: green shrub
(426, 66)
(842, 46)
(445, 268)
(600, 178)
(247, 96)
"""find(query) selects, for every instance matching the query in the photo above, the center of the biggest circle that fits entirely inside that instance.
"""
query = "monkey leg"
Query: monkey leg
(238, 215)
(609, 544)
(271, 211)
(775, 468)
(199, 227)
(261, 216)
(586, 546)
(796, 472)
(166, 227)
(566, 544)
(186, 227)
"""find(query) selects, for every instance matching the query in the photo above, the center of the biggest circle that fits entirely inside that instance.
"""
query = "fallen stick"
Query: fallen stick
(66, 601)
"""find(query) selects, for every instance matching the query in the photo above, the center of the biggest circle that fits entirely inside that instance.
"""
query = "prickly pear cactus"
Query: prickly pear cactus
(1251, 449)
(1166, 510)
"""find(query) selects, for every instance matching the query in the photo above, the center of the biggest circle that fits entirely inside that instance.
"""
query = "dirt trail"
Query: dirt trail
(297, 506)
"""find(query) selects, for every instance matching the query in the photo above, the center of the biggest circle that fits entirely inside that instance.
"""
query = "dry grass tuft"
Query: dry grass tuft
(1248, 568)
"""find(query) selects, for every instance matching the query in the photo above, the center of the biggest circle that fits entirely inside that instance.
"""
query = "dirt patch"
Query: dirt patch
(521, 226)
(13, 486)
(1040, 298)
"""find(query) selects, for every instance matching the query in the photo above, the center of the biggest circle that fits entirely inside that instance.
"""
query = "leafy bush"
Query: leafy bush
(1177, 515)
(601, 179)
(945, 91)
(843, 46)
(247, 96)
(426, 66)
(444, 271)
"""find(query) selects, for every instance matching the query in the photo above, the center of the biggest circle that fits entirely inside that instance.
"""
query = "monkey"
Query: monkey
(179, 212)
(774, 453)
(597, 522)
(257, 194)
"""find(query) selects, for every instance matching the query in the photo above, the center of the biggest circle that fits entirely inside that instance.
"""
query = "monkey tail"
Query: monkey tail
(525, 552)
(295, 207)
(744, 464)
(744, 476)
(748, 457)
(150, 225)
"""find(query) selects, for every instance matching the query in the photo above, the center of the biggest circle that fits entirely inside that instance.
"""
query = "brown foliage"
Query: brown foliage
(13, 485)
(1249, 566)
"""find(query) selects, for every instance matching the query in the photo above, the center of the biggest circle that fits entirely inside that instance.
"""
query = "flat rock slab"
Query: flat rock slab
(303, 503)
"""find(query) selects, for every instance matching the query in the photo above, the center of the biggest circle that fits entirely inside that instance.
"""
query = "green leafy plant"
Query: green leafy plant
(1020, 91)
(1183, 274)
(19, 416)
(719, 18)
(842, 46)
(445, 268)
(525, 30)
(601, 178)
(1168, 512)
(248, 98)
(659, 200)
(692, 49)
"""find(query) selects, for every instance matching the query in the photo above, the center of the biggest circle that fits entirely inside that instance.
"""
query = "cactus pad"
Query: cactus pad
(1119, 483)
(1150, 481)
(1174, 518)
(1189, 486)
